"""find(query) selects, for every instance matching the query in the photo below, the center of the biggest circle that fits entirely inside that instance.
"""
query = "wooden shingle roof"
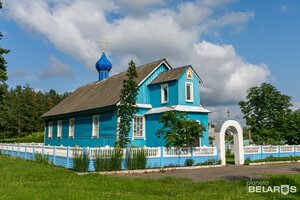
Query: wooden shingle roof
(99, 94)
(170, 75)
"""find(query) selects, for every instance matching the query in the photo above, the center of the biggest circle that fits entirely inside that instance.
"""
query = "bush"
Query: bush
(136, 160)
(189, 162)
(81, 161)
(39, 158)
(272, 159)
(210, 161)
(116, 159)
(102, 163)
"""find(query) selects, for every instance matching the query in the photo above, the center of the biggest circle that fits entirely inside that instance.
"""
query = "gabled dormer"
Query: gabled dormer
(180, 86)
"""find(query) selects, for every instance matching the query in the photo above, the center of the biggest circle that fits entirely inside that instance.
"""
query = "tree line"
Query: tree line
(21, 110)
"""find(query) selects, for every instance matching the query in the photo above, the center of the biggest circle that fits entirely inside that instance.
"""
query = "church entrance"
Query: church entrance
(236, 130)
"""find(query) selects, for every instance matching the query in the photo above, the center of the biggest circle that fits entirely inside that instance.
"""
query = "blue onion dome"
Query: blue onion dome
(103, 64)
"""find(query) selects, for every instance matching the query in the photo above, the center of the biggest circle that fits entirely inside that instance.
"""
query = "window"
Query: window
(71, 128)
(50, 130)
(59, 128)
(138, 127)
(189, 93)
(95, 132)
(164, 93)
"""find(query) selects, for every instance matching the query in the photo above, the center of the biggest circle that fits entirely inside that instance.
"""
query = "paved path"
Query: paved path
(230, 172)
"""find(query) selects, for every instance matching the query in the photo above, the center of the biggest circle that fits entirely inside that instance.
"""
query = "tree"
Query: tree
(3, 71)
(126, 108)
(178, 131)
(265, 111)
(292, 128)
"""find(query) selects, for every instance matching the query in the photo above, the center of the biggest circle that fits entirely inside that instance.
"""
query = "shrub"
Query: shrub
(81, 160)
(137, 159)
(39, 158)
(102, 163)
(189, 162)
(210, 161)
(116, 159)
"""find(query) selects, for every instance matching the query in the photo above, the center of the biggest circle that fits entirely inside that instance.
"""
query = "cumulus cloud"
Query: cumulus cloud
(164, 29)
(56, 68)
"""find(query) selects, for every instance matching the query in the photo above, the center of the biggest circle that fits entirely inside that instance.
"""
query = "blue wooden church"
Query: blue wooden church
(87, 117)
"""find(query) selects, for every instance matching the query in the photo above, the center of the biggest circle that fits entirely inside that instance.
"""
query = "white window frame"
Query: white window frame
(200, 138)
(59, 129)
(191, 92)
(95, 132)
(71, 128)
(133, 127)
(50, 130)
(162, 93)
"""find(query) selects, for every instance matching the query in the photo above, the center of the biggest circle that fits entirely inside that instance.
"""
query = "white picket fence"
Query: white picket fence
(62, 151)
(254, 149)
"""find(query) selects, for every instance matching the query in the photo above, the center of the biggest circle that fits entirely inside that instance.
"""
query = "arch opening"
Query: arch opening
(238, 142)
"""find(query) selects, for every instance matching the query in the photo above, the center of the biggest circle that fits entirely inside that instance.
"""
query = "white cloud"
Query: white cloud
(296, 106)
(165, 29)
(56, 68)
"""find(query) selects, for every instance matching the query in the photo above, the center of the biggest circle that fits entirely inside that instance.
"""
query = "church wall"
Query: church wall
(156, 94)
(181, 90)
(83, 131)
(144, 92)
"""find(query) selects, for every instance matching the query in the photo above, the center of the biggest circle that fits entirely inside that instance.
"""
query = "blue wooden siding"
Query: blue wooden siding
(203, 118)
(144, 92)
(181, 90)
(156, 94)
(83, 131)
(152, 125)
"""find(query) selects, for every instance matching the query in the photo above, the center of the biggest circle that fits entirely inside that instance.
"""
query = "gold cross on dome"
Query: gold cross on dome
(103, 43)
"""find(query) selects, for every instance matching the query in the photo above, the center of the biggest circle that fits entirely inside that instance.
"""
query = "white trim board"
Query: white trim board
(182, 108)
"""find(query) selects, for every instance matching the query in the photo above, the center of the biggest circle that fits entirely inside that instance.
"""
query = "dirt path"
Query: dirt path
(230, 172)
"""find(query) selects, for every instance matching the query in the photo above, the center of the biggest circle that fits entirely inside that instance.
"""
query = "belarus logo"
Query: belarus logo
(285, 189)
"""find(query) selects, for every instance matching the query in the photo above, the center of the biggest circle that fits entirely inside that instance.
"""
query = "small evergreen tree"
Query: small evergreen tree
(126, 108)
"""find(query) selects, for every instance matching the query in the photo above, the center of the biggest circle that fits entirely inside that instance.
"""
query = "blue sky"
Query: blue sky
(233, 45)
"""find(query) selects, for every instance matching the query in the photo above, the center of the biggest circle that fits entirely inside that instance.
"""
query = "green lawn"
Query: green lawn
(20, 179)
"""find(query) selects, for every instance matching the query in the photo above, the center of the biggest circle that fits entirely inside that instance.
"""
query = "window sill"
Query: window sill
(139, 137)
(190, 101)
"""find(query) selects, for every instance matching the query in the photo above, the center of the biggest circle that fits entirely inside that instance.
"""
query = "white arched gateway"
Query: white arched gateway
(237, 130)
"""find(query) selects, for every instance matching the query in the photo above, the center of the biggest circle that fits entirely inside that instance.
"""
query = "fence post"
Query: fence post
(18, 150)
(192, 152)
(7, 149)
(33, 153)
(278, 146)
(53, 155)
(261, 152)
(12, 149)
(68, 161)
(43, 151)
(217, 154)
(25, 154)
(2, 149)
(294, 150)
(161, 157)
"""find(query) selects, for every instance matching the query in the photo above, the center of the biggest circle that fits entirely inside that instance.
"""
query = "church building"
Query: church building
(87, 117)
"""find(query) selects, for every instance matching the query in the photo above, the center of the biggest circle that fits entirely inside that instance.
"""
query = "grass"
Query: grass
(20, 179)
(33, 137)
(230, 158)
